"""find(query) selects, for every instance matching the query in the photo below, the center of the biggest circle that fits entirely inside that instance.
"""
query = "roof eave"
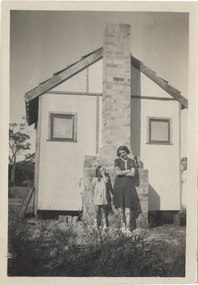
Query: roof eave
(64, 75)
(160, 82)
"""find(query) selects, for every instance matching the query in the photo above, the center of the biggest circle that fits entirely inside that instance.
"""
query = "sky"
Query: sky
(44, 42)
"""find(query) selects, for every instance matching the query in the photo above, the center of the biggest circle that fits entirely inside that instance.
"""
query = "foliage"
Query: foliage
(121, 256)
(24, 173)
(21, 252)
(17, 141)
(18, 144)
(52, 249)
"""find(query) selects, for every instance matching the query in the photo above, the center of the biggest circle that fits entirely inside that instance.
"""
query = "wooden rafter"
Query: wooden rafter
(64, 74)
(159, 81)
(59, 77)
(74, 93)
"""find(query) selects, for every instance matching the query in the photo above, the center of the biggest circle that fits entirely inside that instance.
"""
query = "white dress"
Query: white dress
(100, 192)
(184, 190)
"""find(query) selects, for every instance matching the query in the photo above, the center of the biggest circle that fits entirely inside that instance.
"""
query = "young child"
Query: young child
(184, 184)
(100, 196)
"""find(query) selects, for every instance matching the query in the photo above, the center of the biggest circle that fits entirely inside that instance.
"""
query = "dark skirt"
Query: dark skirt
(124, 194)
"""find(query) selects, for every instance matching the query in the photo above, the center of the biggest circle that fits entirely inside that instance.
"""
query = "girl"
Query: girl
(100, 196)
(125, 198)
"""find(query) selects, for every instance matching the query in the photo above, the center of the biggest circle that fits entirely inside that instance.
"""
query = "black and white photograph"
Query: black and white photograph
(99, 115)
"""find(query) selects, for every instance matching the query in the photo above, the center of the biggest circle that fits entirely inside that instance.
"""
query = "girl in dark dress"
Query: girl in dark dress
(125, 198)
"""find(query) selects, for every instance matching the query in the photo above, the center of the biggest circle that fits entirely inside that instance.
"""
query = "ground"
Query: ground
(156, 251)
(17, 196)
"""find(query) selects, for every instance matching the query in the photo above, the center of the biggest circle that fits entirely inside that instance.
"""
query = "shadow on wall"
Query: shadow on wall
(136, 178)
(153, 199)
(136, 181)
(155, 215)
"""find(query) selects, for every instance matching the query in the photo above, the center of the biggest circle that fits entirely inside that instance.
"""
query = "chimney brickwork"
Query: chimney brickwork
(116, 117)
(116, 89)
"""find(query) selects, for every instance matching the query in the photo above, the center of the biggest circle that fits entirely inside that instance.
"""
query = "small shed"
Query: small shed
(77, 129)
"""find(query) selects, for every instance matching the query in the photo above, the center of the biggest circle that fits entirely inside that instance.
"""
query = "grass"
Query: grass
(51, 248)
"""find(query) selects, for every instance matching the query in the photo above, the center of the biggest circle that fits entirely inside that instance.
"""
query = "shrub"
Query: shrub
(53, 249)
(21, 251)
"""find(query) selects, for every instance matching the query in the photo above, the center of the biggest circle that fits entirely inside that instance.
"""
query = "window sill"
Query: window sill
(159, 143)
(61, 140)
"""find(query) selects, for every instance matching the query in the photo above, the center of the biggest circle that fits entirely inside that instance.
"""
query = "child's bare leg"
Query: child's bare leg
(104, 217)
(96, 216)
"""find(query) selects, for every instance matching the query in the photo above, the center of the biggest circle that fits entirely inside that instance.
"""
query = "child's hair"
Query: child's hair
(98, 169)
(184, 159)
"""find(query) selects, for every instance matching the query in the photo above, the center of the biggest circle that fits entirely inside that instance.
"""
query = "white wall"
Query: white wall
(61, 163)
(162, 161)
(95, 85)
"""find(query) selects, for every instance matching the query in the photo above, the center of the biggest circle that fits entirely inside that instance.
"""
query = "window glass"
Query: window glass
(63, 127)
(159, 131)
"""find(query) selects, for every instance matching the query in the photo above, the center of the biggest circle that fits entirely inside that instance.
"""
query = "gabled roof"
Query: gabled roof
(31, 97)
(64, 74)
(159, 81)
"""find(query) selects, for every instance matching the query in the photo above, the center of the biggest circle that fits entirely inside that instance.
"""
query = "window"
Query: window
(63, 127)
(159, 130)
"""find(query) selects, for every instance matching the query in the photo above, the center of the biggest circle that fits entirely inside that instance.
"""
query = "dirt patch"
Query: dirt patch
(169, 233)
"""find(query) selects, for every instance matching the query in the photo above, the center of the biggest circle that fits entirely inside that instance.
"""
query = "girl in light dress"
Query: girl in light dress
(100, 197)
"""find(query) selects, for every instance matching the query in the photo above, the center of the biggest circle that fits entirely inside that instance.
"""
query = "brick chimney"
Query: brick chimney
(116, 114)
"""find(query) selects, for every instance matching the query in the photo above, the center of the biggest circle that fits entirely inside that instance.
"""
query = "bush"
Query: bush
(24, 173)
(53, 249)
(120, 256)
(21, 252)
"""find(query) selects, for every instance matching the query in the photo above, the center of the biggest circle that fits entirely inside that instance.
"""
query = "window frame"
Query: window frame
(65, 115)
(149, 130)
